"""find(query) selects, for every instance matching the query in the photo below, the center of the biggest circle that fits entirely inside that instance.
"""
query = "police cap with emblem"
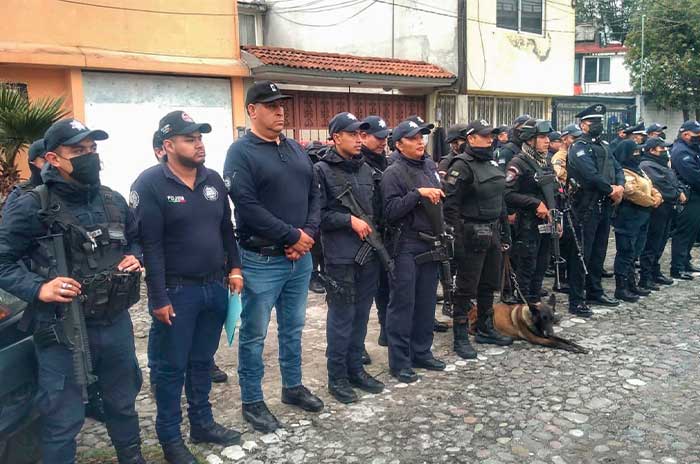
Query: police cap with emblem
(264, 92)
(654, 142)
(480, 127)
(418, 120)
(345, 122)
(593, 111)
(638, 129)
(572, 129)
(409, 129)
(70, 132)
(656, 127)
(456, 132)
(622, 126)
(692, 126)
(36, 150)
(377, 127)
(554, 136)
(180, 123)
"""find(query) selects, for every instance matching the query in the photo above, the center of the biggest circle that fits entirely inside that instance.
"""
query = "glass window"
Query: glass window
(603, 69)
(246, 29)
(591, 71)
(507, 14)
(577, 70)
(531, 16)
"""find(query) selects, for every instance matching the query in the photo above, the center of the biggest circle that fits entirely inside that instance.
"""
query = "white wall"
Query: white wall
(619, 77)
(129, 106)
(671, 118)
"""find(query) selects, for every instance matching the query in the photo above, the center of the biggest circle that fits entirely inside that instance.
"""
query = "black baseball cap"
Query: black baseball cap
(502, 128)
(456, 132)
(264, 92)
(481, 127)
(157, 140)
(654, 142)
(418, 120)
(572, 129)
(377, 127)
(409, 128)
(36, 150)
(656, 127)
(180, 123)
(345, 122)
(691, 125)
(70, 132)
(554, 136)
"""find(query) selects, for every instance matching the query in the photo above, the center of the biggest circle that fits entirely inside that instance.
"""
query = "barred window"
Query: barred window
(535, 108)
(507, 109)
(480, 108)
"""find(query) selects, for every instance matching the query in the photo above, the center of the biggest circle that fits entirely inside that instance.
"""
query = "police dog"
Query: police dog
(530, 322)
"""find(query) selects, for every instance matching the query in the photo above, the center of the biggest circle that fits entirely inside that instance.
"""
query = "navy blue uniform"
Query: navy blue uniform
(685, 160)
(595, 170)
(349, 303)
(189, 248)
(412, 298)
(666, 182)
(114, 360)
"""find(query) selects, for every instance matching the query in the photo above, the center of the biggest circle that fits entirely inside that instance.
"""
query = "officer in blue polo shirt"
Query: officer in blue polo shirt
(192, 261)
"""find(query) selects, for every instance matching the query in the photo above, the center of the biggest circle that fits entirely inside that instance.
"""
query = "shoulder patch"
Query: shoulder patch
(133, 199)
(511, 174)
(580, 153)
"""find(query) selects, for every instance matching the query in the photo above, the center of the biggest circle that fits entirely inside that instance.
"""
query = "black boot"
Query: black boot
(341, 390)
(130, 455)
(485, 331)
(622, 292)
(439, 326)
(365, 382)
(382, 341)
(177, 453)
(648, 284)
(215, 433)
(315, 284)
(634, 288)
(301, 397)
(462, 347)
(257, 415)
(366, 360)
(217, 375)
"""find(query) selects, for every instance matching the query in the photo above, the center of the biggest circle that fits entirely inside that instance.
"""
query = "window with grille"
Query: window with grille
(520, 15)
(480, 108)
(446, 108)
(507, 109)
(18, 86)
(535, 108)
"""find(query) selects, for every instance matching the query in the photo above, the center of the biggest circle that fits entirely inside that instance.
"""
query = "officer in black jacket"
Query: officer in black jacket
(530, 192)
(637, 133)
(512, 148)
(103, 264)
(353, 284)
(600, 185)
(456, 139)
(475, 207)
(374, 142)
(407, 182)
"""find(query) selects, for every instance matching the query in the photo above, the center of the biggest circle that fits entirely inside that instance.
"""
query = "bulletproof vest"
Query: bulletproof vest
(484, 200)
(92, 254)
(536, 180)
(603, 163)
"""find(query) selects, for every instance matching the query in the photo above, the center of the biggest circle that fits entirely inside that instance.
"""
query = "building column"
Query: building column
(237, 105)
(75, 98)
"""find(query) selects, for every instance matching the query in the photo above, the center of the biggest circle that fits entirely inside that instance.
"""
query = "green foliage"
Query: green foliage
(611, 17)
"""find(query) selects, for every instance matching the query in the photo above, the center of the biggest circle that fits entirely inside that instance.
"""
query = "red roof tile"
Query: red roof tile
(301, 59)
(588, 48)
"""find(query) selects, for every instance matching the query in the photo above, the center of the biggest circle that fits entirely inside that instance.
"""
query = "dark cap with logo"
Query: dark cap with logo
(554, 136)
(656, 127)
(180, 123)
(36, 150)
(345, 122)
(264, 92)
(377, 127)
(637, 129)
(480, 127)
(418, 120)
(655, 142)
(573, 130)
(593, 111)
(691, 125)
(502, 128)
(456, 132)
(70, 132)
(409, 129)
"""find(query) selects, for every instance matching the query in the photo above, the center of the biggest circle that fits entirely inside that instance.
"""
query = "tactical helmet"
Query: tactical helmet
(532, 128)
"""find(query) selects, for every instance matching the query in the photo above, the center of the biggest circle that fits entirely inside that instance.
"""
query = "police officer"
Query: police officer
(475, 207)
(374, 144)
(637, 133)
(316, 150)
(685, 161)
(100, 239)
(395, 154)
(530, 192)
(600, 183)
(410, 180)
(656, 130)
(621, 135)
(632, 220)
(512, 147)
(354, 284)
(655, 163)
(555, 143)
(568, 137)
(36, 159)
(456, 139)
(191, 268)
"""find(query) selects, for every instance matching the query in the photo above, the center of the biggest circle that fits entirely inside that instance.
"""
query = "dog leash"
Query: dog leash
(508, 271)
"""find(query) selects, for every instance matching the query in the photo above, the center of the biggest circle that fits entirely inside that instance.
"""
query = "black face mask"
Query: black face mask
(695, 139)
(595, 129)
(482, 152)
(460, 147)
(35, 178)
(86, 169)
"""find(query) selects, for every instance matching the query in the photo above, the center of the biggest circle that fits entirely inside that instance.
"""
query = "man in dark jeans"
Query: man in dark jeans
(190, 270)
(271, 182)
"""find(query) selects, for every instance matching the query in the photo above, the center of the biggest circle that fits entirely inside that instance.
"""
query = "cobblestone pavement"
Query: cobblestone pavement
(633, 399)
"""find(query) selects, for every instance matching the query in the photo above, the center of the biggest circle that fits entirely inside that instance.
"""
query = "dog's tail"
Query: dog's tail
(568, 345)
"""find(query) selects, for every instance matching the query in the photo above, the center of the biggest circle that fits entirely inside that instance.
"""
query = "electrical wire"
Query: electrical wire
(142, 10)
(357, 13)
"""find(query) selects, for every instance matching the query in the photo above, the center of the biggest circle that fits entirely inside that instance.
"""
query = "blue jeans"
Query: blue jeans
(271, 281)
(185, 354)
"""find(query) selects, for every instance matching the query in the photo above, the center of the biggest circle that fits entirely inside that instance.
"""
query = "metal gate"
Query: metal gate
(619, 110)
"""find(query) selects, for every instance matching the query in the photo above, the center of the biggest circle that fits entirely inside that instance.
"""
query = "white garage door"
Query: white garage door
(129, 106)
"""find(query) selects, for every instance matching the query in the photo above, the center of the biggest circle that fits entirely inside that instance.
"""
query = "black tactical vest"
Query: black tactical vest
(92, 254)
(483, 201)
(605, 165)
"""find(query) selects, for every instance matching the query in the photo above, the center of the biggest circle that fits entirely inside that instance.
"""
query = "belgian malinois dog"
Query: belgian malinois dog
(530, 322)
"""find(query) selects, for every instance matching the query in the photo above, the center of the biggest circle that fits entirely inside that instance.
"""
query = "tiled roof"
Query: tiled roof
(301, 59)
(588, 48)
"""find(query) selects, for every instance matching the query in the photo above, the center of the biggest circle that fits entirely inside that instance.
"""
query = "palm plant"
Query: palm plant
(22, 122)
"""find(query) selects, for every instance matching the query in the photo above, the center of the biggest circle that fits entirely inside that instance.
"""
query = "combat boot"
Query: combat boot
(130, 455)
(462, 347)
(486, 332)
(622, 292)
(634, 288)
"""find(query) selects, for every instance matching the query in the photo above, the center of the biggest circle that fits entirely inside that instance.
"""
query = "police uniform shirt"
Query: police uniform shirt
(583, 161)
(185, 232)
(685, 160)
